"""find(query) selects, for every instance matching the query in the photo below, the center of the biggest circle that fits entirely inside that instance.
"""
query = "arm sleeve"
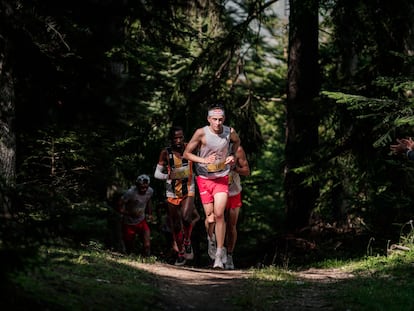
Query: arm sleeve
(410, 154)
(159, 174)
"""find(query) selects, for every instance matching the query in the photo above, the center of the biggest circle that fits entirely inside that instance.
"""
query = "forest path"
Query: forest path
(188, 288)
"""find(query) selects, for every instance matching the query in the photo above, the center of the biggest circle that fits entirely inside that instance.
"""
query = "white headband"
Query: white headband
(216, 112)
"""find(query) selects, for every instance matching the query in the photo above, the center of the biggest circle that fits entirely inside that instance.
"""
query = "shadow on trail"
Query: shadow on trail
(187, 288)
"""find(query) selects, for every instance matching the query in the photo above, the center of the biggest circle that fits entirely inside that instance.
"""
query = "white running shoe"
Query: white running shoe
(218, 264)
(212, 248)
(229, 264)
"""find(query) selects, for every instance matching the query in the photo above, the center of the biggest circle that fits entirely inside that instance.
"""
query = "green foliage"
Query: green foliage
(377, 122)
(387, 113)
(263, 190)
(96, 96)
(366, 104)
(93, 113)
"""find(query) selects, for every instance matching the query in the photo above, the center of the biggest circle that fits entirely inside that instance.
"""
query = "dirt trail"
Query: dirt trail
(187, 288)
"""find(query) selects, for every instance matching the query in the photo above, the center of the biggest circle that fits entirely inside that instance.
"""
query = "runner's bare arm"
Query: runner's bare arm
(242, 165)
(235, 139)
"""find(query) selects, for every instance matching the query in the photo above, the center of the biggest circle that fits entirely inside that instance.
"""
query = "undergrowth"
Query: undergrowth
(91, 278)
(382, 283)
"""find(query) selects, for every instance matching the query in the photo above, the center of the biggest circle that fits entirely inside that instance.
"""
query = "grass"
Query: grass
(62, 278)
(84, 279)
(379, 283)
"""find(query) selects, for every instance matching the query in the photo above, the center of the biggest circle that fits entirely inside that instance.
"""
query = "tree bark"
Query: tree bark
(301, 109)
(7, 116)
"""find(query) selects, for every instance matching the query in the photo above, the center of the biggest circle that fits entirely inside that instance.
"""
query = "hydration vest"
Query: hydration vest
(185, 172)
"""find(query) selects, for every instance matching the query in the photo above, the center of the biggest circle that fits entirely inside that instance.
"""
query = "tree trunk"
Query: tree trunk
(7, 115)
(302, 115)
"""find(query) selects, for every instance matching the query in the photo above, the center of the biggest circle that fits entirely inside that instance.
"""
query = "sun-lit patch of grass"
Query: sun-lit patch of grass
(273, 273)
(383, 265)
(331, 263)
(378, 283)
(68, 279)
(381, 283)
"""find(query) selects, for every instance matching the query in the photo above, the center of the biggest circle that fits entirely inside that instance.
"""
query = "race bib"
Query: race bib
(215, 167)
(180, 172)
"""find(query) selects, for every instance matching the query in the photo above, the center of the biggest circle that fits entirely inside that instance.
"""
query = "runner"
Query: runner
(234, 202)
(212, 164)
(180, 192)
(135, 205)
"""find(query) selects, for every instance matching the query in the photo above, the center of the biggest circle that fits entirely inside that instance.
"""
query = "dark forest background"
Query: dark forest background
(317, 93)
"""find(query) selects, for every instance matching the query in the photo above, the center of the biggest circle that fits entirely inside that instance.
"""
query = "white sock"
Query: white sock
(219, 251)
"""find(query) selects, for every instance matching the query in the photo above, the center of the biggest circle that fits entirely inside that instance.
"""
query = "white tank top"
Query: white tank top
(215, 143)
(136, 204)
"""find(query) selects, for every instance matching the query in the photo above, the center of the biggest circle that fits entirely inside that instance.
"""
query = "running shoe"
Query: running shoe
(220, 259)
(188, 254)
(224, 255)
(180, 260)
(218, 264)
(212, 248)
(229, 264)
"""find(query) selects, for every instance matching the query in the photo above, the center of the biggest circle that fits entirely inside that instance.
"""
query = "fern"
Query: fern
(388, 113)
